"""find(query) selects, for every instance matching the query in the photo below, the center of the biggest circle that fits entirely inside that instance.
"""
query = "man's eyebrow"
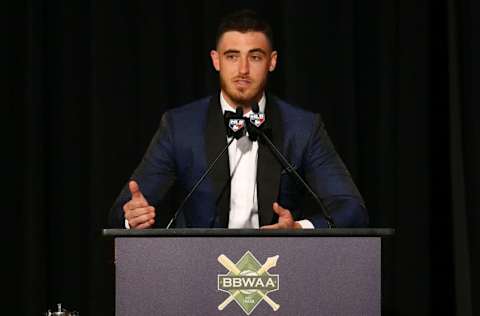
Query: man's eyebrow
(253, 50)
(231, 51)
(258, 50)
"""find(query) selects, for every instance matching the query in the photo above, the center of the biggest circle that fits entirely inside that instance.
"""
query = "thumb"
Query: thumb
(135, 190)
(279, 210)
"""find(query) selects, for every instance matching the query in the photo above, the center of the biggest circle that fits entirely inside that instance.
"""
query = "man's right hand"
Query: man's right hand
(138, 212)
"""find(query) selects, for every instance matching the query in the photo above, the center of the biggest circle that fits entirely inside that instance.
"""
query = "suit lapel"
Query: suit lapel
(268, 167)
(215, 141)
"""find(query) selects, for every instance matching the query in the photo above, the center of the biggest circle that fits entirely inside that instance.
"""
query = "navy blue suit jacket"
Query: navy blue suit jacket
(191, 136)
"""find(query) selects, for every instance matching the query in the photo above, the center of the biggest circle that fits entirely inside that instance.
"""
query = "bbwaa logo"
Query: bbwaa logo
(257, 119)
(236, 124)
(248, 282)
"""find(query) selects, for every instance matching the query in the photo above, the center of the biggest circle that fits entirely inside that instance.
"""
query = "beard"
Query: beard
(243, 96)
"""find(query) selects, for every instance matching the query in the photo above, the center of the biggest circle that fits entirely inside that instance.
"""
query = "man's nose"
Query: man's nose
(244, 66)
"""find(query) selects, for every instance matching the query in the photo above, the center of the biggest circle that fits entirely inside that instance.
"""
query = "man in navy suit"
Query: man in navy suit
(248, 188)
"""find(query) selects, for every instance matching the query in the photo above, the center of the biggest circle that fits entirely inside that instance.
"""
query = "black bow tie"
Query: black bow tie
(235, 123)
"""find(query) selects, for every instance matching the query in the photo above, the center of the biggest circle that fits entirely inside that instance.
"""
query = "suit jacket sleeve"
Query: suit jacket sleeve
(155, 175)
(330, 179)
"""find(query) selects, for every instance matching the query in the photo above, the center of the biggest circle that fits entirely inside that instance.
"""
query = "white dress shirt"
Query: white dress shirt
(243, 156)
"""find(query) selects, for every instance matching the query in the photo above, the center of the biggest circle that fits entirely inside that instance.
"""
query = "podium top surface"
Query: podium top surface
(222, 232)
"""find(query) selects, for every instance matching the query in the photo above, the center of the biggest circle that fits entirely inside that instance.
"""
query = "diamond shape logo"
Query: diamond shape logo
(248, 282)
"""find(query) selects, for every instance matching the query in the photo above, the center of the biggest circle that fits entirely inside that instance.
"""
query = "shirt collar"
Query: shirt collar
(228, 107)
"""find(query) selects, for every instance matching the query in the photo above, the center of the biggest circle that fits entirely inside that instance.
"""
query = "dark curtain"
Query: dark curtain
(87, 82)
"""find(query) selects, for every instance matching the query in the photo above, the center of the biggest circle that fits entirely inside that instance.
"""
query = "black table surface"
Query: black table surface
(222, 232)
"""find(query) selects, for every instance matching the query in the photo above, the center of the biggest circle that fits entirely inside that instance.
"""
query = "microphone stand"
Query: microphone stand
(207, 172)
(290, 169)
(236, 134)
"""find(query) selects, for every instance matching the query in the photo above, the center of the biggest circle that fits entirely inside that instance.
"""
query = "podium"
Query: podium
(248, 271)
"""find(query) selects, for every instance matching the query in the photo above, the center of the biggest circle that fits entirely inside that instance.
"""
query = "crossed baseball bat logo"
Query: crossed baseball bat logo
(230, 266)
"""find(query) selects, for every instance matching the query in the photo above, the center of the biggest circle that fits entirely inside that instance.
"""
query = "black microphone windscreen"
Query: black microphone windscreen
(255, 108)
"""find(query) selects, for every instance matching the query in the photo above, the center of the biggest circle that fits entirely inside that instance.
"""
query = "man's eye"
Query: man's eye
(256, 57)
(231, 57)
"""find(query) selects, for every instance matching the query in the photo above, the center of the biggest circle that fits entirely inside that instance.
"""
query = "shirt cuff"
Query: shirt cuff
(127, 225)
(306, 224)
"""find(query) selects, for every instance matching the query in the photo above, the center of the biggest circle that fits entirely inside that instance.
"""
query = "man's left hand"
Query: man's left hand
(285, 219)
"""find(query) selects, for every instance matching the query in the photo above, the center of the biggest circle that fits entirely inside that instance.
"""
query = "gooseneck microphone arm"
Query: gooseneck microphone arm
(205, 174)
(257, 128)
(290, 169)
(235, 124)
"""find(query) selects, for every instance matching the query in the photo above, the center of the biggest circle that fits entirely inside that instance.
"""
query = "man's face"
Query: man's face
(243, 61)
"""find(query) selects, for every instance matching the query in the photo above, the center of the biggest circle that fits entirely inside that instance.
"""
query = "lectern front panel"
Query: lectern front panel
(224, 276)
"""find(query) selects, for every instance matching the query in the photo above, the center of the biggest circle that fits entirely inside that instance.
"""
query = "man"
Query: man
(248, 188)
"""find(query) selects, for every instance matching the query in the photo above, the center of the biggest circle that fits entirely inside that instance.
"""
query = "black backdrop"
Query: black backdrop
(88, 81)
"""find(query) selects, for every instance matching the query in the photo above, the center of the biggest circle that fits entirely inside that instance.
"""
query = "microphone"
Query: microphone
(255, 129)
(235, 126)
(255, 122)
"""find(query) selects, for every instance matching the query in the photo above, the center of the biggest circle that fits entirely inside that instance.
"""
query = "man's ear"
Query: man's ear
(273, 61)
(215, 59)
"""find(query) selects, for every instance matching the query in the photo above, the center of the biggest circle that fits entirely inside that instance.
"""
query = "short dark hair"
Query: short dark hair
(244, 21)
